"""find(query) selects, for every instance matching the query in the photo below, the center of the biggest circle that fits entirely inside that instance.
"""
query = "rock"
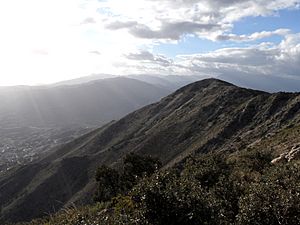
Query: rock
(280, 159)
(294, 154)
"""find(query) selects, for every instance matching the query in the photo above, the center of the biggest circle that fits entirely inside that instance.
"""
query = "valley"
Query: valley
(22, 145)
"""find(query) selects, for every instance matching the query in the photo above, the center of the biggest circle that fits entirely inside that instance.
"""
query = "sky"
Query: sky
(46, 41)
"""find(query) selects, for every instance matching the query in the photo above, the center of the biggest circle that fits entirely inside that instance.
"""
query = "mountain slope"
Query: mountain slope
(209, 115)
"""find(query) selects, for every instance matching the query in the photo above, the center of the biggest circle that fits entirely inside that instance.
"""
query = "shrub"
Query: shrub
(275, 200)
(136, 167)
(109, 184)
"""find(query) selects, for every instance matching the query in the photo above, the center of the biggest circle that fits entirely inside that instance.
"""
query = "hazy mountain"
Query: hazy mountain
(91, 103)
(85, 79)
(170, 82)
(209, 115)
(173, 82)
(263, 82)
(35, 119)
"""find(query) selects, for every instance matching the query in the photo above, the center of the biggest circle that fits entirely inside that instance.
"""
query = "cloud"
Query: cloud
(237, 56)
(143, 55)
(116, 25)
(253, 37)
(126, 32)
(266, 66)
(172, 30)
(275, 60)
(172, 19)
(150, 58)
(95, 52)
(88, 20)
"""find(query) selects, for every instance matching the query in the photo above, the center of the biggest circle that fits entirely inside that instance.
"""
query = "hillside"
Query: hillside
(238, 188)
(206, 116)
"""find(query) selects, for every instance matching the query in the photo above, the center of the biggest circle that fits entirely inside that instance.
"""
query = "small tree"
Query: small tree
(108, 180)
(111, 182)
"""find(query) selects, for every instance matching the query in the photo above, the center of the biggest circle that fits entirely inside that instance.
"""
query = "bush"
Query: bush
(275, 200)
(242, 188)
(111, 182)
(136, 167)
(172, 199)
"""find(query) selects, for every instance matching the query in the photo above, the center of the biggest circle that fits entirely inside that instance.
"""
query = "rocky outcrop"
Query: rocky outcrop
(294, 154)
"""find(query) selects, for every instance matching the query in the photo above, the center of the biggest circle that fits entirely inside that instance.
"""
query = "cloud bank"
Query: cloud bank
(128, 37)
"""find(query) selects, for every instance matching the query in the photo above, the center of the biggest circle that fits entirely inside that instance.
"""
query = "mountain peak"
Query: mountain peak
(211, 81)
(205, 85)
(216, 86)
(214, 80)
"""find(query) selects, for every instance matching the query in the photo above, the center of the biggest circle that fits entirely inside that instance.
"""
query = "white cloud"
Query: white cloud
(252, 37)
(257, 61)
(45, 41)
(281, 60)
(148, 57)
(171, 30)
(170, 19)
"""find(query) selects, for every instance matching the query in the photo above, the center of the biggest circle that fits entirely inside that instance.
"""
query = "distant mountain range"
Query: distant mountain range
(205, 116)
(168, 82)
(84, 79)
(90, 104)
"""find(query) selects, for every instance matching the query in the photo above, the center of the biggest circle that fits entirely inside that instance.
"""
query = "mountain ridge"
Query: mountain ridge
(208, 115)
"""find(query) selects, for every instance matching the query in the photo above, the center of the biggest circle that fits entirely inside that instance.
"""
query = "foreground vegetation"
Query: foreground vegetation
(215, 188)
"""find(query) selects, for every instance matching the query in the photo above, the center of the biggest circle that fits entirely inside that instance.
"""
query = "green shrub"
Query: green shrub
(137, 166)
(275, 200)
(172, 199)
(241, 188)
(109, 184)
